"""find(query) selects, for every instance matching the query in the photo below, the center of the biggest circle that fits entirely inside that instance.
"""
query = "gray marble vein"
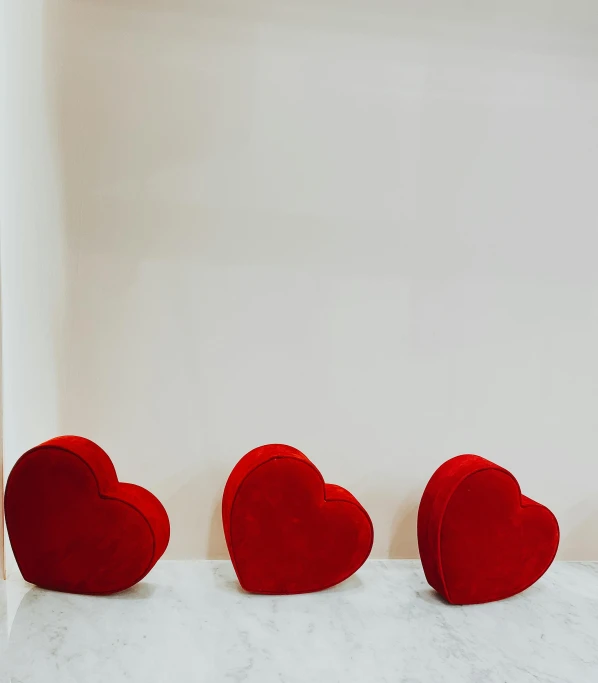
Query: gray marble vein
(190, 622)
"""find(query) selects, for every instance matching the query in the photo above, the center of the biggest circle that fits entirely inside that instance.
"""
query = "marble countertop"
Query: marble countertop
(190, 622)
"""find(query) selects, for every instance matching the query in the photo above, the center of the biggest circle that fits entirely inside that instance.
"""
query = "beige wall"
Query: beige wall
(32, 241)
(365, 228)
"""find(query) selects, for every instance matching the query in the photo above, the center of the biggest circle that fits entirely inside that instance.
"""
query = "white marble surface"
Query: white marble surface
(189, 621)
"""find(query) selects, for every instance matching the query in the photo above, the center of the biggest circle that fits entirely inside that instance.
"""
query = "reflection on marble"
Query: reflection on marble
(190, 622)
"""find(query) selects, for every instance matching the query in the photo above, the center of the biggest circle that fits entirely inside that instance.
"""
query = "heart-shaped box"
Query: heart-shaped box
(479, 538)
(287, 531)
(74, 527)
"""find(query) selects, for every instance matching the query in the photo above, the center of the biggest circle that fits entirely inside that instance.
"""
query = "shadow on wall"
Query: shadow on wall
(196, 518)
(577, 541)
(217, 548)
(403, 543)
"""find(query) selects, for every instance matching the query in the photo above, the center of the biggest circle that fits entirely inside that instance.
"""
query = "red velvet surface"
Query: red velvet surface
(286, 530)
(74, 527)
(479, 538)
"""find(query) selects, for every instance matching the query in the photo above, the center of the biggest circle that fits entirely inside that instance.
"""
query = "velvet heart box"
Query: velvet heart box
(74, 527)
(287, 531)
(480, 539)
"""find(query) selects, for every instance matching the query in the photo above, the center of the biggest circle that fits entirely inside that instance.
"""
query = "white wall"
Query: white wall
(32, 246)
(366, 228)
(3, 187)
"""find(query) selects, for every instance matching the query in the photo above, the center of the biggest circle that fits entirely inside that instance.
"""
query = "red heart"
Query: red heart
(286, 530)
(479, 538)
(74, 527)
